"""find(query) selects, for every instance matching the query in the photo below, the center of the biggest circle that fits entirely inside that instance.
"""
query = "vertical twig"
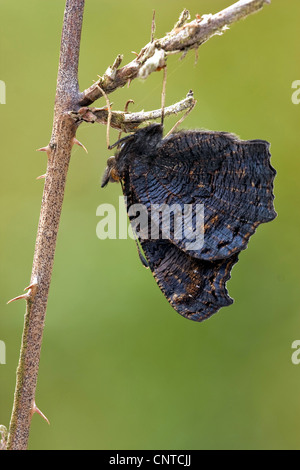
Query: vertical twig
(58, 152)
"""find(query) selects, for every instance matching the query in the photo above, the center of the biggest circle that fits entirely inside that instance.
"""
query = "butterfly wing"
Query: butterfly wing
(195, 288)
(232, 179)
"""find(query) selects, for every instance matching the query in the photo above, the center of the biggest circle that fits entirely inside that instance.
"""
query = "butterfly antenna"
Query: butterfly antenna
(163, 96)
(119, 142)
(109, 115)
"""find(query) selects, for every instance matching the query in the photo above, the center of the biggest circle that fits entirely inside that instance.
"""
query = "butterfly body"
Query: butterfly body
(230, 178)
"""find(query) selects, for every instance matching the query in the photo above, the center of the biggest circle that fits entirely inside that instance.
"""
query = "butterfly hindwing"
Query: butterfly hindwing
(195, 288)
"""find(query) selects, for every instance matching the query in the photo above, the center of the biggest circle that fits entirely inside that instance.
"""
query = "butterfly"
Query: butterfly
(230, 178)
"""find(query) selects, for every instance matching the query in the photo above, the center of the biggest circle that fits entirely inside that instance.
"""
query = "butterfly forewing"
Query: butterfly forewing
(232, 179)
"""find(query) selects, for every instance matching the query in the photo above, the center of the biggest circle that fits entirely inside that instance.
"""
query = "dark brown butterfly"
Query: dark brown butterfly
(232, 179)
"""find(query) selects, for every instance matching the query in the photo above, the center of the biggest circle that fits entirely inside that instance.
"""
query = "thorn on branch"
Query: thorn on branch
(32, 289)
(35, 409)
(76, 142)
(20, 297)
(44, 149)
(32, 286)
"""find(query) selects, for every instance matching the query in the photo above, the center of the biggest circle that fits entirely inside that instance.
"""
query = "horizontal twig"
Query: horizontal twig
(128, 122)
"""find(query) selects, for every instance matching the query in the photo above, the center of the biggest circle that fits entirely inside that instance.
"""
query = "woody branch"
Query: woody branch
(58, 152)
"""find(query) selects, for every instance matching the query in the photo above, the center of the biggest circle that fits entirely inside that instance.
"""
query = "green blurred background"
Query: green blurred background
(119, 368)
